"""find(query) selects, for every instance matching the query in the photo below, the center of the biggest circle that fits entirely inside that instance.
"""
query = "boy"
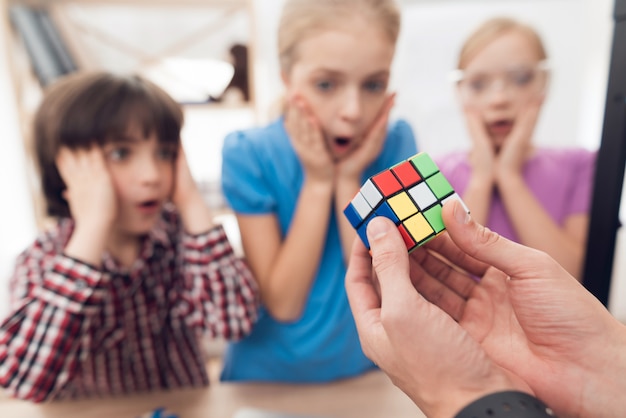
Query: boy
(115, 297)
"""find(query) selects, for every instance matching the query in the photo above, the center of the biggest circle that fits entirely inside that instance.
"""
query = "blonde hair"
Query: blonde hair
(493, 29)
(300, 18)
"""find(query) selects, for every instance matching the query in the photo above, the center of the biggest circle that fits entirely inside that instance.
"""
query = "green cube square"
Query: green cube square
(424, 164)
(439, 185)
(433, 216)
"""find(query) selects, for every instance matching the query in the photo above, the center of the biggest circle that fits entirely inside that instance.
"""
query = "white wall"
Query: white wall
(577, 35)
(17, 221)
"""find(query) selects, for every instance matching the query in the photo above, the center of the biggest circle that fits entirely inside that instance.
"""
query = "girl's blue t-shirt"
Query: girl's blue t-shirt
(261, 174)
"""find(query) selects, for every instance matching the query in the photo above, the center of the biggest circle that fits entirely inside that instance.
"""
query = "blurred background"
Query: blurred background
(219, 59)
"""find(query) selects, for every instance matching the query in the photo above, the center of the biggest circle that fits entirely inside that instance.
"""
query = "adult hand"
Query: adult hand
(354, 164)
(534, 319)
(308, 140)
(90, 193)
(423, 350)
(530, 318)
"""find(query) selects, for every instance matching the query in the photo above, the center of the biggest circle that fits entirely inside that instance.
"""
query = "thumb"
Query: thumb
(390, 259)
(515, 260)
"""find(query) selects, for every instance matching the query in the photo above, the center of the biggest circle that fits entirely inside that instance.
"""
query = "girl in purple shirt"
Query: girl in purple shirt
(538, 197)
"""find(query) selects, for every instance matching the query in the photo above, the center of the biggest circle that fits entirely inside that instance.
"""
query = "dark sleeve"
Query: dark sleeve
(509, 404)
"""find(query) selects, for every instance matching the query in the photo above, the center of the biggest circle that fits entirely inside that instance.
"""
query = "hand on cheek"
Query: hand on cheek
(482, 155)
(518, 144)
(90, 191)
(185, 188)
(196, 215)
(355, 163)
(308, 140)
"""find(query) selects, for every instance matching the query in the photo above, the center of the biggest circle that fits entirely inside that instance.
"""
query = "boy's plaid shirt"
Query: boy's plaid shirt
(78, 331)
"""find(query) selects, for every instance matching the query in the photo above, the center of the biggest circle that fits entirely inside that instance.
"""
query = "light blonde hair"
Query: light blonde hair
(300, 18)
(493, 29)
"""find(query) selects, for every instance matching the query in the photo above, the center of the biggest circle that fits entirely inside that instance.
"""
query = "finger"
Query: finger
(310, 124)
(65, 162)
(476, 127)
(182, 156)
(440, 283)
(446, 247)
(515, 260)
(391, 263)
(61, 158)
(377, 132)
(380, 123)
(182, 164)
(390, 101)
(362, 295)
(96, 157)
(365, 303)
(525, 126)
(298, 123)
(293, 116)
(290, 117)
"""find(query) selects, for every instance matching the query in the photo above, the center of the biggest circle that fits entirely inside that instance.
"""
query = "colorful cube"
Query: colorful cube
(411, 194)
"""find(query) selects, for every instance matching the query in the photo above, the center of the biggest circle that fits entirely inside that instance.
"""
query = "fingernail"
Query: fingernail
(460, 214)
(377, 228)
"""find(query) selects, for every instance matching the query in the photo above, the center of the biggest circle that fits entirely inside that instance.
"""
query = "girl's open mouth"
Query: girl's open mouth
(500, 127)
(342, 143)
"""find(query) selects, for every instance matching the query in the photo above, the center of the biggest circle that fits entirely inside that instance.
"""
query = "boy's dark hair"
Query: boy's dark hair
(85, 109)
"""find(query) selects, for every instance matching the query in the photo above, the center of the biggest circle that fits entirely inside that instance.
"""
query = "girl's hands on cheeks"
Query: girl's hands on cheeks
(355, 163)
(308, 141)
(89, 192)
(482, 156)
(517, 145)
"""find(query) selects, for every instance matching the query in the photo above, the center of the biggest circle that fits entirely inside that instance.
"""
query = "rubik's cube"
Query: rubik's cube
(411, 194)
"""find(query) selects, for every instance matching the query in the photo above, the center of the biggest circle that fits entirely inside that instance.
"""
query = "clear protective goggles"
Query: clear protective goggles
(522, 79)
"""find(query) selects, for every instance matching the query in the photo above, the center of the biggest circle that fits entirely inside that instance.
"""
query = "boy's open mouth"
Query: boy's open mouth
(149, 204)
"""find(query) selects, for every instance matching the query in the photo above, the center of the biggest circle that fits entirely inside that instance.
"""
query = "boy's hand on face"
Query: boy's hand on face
(196, 215)
(308, 141)
(354, 164)
(92, 199)
(185, 188)
(482, 156)
(89, 192)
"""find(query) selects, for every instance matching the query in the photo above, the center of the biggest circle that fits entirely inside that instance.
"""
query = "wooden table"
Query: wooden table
(369, 396)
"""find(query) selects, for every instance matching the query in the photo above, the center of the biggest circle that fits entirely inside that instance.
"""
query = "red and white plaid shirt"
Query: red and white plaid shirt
(79, 331)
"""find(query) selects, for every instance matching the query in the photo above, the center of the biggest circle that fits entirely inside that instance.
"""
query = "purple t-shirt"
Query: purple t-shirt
(561, 179)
